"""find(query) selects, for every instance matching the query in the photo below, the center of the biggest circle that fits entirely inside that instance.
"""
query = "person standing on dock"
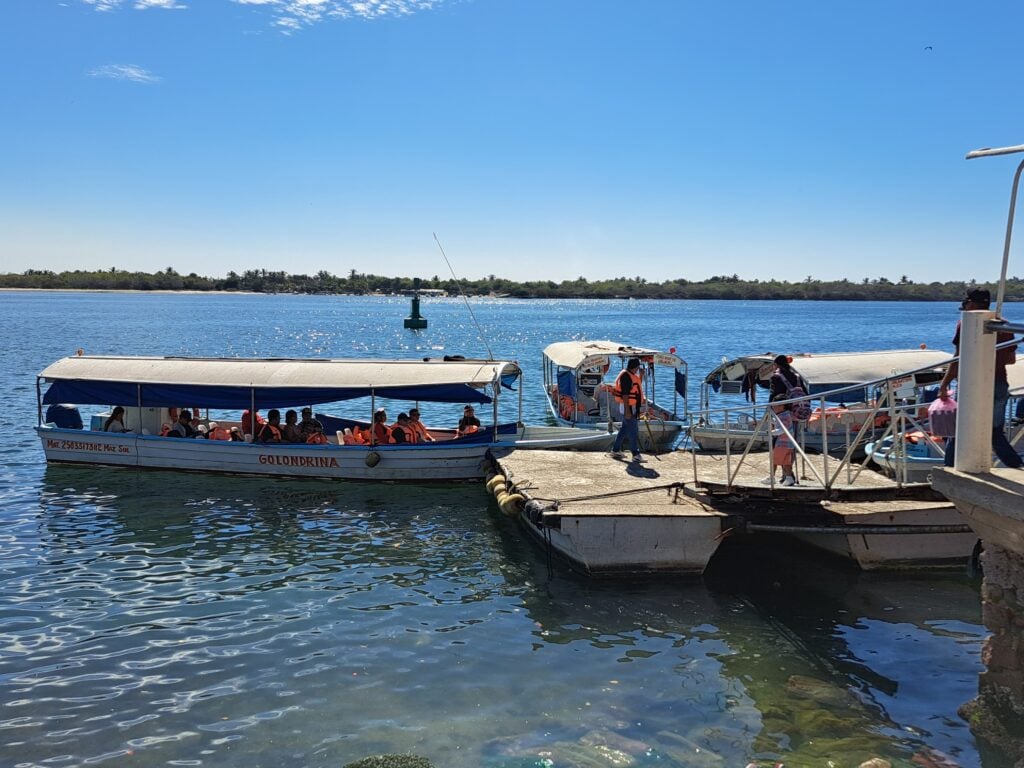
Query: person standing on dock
(629, 393)
(981, 299)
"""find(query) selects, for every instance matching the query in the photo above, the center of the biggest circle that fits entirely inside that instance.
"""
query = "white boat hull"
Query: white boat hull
(917, 468)
(438, 461)
(714, 438)
(654, 436)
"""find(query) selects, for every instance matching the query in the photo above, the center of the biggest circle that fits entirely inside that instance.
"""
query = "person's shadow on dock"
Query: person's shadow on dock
(636, 469)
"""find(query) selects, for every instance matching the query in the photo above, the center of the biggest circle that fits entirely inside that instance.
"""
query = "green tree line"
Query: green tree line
(718, 287)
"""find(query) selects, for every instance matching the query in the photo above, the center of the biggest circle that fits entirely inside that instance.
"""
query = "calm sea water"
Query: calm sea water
(154, 619)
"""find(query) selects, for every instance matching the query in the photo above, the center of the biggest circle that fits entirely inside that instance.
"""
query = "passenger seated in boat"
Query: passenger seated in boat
(469, 423)
(423, 436)
(270, 431)
(380, 434)
(236, 435)
(217, 432)
(401, 432)
(309, 425)
(115, 422)
(317, 437)
(202, 431)
(290, 431)
(247, 421)
(183, 426)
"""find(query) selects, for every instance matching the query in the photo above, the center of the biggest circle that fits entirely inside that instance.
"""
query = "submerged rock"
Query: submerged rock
(391, 761)
(821, 692)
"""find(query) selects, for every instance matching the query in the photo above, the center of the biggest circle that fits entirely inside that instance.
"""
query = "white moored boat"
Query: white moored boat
(840, 373)
(921, 452)
(147, 387)
(579, 378)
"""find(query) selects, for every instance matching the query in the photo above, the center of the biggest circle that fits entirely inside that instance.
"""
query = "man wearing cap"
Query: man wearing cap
(308, 426)
(980, 299)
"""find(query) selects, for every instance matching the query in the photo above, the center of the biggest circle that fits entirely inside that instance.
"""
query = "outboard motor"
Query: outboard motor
(64, 416)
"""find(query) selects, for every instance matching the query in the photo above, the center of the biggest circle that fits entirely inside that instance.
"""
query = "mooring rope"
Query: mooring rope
(613, 494)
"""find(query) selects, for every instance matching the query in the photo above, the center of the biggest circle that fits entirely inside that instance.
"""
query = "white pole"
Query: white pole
(975, 393)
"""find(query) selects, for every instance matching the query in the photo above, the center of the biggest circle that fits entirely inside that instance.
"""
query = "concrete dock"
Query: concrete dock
(607, 515)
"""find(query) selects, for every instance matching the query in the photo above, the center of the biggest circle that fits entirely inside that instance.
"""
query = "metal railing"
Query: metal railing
(886, 418)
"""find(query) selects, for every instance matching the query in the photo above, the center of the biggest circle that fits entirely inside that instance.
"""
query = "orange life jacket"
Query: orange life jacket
(636, 394)
(381, 433)
(420, 431)
(317, 438)
(274, 431)
(408, 432)
(219, 433)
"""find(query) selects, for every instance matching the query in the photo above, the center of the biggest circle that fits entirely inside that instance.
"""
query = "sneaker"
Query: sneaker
(767, 480)
(615, 454)
(789, 481)
(637, 457)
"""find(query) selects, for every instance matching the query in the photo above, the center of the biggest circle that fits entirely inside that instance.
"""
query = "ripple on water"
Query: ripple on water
(184, 620)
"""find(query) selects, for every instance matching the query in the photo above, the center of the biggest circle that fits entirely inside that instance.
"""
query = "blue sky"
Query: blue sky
(539, 140)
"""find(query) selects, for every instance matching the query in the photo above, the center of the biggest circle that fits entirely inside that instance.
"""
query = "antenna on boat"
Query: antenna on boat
(490, 355)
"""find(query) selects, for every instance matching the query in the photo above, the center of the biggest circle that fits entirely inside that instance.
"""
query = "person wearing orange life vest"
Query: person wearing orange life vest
(217, 432)
(317, 438)
(401, 432)
(270, 431)
(380, 433)
(422, 435)
(250, 425)
(629, 395)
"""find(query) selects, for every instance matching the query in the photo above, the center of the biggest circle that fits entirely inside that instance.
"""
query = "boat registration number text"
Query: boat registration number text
(81, 445)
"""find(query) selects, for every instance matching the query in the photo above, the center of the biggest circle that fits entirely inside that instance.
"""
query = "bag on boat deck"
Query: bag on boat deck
(942, 417)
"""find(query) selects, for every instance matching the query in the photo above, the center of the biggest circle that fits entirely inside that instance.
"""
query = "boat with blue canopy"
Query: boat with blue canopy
(149, 389)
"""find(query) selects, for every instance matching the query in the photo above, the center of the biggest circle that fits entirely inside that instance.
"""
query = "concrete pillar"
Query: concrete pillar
(974, 393)
(996, 717)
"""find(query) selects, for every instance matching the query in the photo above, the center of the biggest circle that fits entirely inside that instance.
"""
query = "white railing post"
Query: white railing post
(975, 393)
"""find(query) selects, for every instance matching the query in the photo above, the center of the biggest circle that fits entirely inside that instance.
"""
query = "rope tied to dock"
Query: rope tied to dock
(677, 486)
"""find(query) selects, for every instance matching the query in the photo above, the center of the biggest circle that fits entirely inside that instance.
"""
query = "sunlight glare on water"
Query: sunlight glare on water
(153, 619)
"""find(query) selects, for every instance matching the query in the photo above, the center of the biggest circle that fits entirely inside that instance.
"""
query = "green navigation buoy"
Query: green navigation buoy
(415, 321)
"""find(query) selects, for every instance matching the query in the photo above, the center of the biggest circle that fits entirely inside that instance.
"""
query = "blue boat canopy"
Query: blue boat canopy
(235, 382)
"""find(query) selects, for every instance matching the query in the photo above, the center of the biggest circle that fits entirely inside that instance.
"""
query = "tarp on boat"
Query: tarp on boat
(573, 354)
(232, 382)
(828, 371)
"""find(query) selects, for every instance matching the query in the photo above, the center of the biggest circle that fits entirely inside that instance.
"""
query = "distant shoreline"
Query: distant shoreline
(217, 292)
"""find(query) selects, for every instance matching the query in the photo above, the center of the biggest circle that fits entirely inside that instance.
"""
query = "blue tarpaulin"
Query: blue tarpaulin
(156, 395)
(681, 383)
(566, 384)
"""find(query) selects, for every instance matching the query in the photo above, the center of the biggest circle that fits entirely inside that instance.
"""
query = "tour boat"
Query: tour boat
(579, 382)
(149, 387)
(845, 381)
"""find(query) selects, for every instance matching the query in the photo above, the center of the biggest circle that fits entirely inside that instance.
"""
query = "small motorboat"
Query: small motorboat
(579, 382)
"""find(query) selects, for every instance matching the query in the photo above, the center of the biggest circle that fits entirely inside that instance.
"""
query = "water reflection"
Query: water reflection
(238, 621)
